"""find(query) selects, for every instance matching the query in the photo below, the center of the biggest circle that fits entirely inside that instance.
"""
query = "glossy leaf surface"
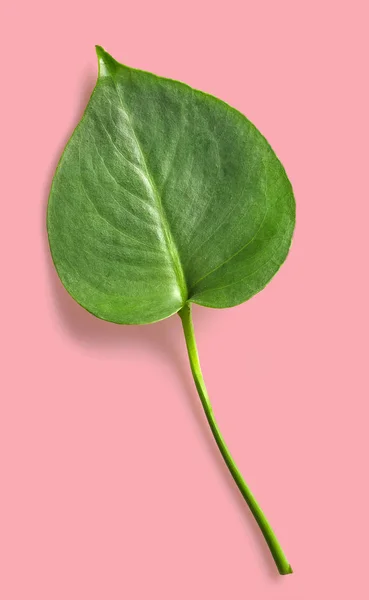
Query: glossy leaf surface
(164, 195)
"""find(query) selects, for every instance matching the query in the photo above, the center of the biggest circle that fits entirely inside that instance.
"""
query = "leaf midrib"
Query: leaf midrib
(170, 243)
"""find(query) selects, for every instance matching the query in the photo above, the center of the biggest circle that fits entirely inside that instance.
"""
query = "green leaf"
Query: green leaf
(164, 195)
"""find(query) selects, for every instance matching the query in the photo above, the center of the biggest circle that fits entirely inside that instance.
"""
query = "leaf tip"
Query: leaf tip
(107, 64)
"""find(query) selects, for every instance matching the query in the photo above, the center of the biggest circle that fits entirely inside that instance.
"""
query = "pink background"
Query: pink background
(111, 485)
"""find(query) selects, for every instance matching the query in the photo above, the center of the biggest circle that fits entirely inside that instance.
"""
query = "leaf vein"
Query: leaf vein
(177, 266)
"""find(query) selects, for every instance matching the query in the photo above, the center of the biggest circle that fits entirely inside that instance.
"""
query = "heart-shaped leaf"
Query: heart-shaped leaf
(165, 196)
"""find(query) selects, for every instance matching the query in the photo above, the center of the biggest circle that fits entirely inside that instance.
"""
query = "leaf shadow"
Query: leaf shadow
(162, 337)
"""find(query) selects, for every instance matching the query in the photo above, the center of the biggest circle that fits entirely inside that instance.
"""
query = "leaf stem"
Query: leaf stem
(281, 561)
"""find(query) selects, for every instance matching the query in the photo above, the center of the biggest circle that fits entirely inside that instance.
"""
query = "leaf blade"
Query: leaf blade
(177, 197)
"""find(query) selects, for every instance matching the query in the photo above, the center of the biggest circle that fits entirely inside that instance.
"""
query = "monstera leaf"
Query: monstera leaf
(166, 196)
